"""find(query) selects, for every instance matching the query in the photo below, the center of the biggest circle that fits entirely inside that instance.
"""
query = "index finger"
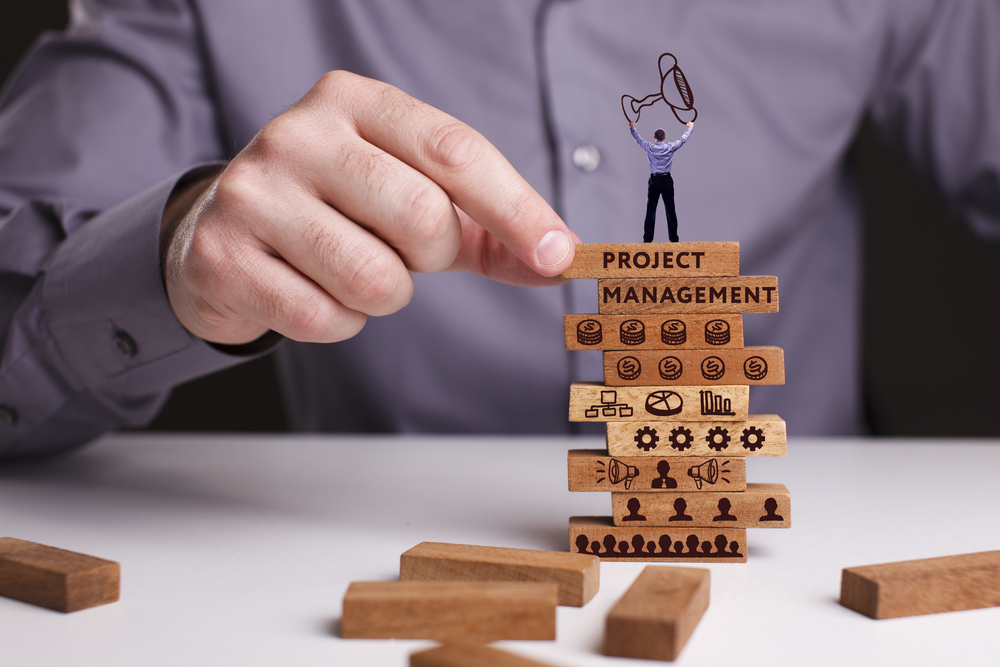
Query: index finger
(465, 164)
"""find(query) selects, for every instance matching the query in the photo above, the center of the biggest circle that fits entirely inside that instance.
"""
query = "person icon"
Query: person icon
(724, 515)
(623, 549)
(581, 543)
(609, 545)
(770, 505)
(664, 481)
(734, 548)
(680, 505)
(664, 545)
(595, 548)
(638, 544)
(720, 545)
(633, 511)
(692, 542)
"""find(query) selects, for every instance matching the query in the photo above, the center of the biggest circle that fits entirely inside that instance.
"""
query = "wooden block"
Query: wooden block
(926, 586)
(595, 402)
(56, 578)
(742, 294)
(760, 506)
(465, 655)
(599, 536)
(450, 611)
(577, 576)
(686, 331)
(759, 435)
(654, 260)
(594, 470)
(658, 613)
(751, 365)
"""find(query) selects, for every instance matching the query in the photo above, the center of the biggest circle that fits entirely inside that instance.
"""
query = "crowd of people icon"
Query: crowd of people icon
(692, 547)
(680, 511)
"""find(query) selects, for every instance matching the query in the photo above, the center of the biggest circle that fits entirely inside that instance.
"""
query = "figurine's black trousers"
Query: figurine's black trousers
(660, 185)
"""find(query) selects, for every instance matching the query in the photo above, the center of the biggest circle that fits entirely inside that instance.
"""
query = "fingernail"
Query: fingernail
(553, 248)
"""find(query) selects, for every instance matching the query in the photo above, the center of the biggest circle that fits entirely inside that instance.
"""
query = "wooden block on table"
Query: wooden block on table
(56, 578)
(750, 365)
(465, 655)
(596, 402)
(576, 575)
(658, 613)
(926, 586)
(599, 536)
(742, 294)
(654, 260)
(759, 435)
(686, 331)
(450, 611)
(760, 506)
(594, 470)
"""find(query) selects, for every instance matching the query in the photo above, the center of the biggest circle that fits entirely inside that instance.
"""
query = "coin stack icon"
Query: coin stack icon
(675, 404)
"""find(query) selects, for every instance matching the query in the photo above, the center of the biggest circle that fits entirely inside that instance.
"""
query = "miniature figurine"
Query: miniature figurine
(661, 183)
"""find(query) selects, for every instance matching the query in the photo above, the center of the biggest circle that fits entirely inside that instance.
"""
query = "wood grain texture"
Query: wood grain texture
(594, 470)
(742, 294)
(599, 536)
(476, 612)
(760, 506)
(595, 402)
(685, 331)
(654, 260)
(925, 586)
(465, 655)
(751, 365)
(56, 578)
(576, 575)
(658, 613)
(759, 435)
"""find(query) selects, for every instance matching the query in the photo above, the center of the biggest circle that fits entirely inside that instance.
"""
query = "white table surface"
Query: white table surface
(237, 550)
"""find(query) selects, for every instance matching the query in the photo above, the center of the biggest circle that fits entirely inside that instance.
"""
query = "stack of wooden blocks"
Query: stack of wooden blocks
(675, 400)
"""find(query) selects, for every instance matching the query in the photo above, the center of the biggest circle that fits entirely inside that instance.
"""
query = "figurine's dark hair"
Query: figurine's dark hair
(659, 135)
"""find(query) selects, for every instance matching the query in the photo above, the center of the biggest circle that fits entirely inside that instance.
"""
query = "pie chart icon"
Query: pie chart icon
(664, 403)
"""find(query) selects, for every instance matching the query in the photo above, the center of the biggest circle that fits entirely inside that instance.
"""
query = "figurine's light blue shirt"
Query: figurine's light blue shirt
(661, 154)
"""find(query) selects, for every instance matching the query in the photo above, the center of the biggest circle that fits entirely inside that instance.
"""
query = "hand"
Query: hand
(632, 123)
(319, 221)
(691, 124)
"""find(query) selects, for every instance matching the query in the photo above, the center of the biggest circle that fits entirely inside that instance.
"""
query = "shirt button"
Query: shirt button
(125, 344)
(586, 158)
(8, 416)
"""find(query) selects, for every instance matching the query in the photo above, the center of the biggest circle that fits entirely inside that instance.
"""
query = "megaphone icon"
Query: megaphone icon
(706, 472)
(619, 472)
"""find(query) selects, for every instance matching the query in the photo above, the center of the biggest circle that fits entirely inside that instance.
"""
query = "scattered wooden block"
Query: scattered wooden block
(450, 611)
(465, 655)
(742, 294)
(759, 435)
(760, 506)
(599, 536)
(576, 575)
(685, 331)
(594, 470)
(658, 613)
(751, 365)
(926, 586)
(654, 260)
(55, 578)
(595, 402)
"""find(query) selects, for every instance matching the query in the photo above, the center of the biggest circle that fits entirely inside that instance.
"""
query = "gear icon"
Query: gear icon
(752, 438)
(680, 438)
(717, 438)
(646, 438)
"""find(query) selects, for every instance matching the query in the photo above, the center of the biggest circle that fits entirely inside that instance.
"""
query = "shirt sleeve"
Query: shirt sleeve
(96, 128)
(674, 145)
(938, 101)
(639, 140)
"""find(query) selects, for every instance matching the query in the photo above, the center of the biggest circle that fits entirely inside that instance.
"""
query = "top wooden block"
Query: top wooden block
(577, 575)
(654, 260)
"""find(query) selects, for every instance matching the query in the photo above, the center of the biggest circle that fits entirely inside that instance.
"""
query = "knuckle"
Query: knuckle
(454, 146)
(428, 213)
(373, 280)
(311, 319)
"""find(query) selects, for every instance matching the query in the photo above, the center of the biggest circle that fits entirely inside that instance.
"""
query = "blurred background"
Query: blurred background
(926, 372)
